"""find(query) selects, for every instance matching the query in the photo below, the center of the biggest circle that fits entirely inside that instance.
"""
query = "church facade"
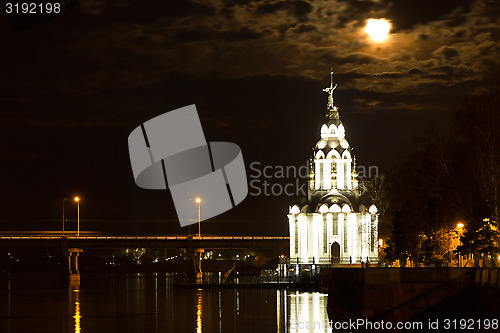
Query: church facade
(332, 225)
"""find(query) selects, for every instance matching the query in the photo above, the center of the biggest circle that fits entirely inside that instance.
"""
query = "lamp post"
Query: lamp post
(198, 201)
(77, 200)
(63, 215)
(460, 231)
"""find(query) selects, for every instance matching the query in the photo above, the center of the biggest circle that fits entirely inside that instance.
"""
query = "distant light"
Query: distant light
(378, 29)
(77, 199)
(380, 242)
(198, 200)
(460, 225)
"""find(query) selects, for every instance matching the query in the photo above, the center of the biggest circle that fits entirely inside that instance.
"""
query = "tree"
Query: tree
(438, 245)
(484, 241)
(376, 192)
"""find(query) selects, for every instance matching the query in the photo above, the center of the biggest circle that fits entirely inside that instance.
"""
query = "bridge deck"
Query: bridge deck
(208, 242)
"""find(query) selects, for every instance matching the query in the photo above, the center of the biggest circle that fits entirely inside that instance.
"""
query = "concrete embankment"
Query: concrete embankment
(394, 294)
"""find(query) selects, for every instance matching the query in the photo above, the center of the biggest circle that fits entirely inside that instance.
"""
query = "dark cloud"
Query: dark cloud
(446, 52)
(194, 35)
(301, 28)
(152, 10)
(300, 9)
(405, 14)
(236, 2)
(415, 71)
(456, 21)
(233, 36)
(359, 58)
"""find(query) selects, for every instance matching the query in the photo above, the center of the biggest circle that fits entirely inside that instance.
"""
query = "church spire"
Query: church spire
(333, 112)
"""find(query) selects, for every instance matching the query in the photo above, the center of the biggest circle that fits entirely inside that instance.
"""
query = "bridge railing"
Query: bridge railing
(227, 238)
(240, 279)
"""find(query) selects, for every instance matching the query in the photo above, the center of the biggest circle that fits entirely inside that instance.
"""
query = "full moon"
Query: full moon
(378, 29)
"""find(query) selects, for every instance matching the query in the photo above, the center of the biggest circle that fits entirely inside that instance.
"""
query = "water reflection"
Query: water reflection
(77, 317)
(74, 303)
(146, 303)
(199, 307)
(308, 312)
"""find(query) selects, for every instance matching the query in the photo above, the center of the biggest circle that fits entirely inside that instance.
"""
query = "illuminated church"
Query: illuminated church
(331, 225)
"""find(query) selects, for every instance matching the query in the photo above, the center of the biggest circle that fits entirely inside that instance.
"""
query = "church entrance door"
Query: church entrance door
(335, 251)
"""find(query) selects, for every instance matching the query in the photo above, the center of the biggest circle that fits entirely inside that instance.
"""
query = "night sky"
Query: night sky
(73, 88)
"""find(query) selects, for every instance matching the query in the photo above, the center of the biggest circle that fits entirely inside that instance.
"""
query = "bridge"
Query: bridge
(156, 242)
(73, 245)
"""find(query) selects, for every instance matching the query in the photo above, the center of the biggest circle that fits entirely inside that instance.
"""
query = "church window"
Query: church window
(372, 235)
(320, 173)
(345, 235)
(296, 235)
(325, 234)
(346, 175)
(335, 224)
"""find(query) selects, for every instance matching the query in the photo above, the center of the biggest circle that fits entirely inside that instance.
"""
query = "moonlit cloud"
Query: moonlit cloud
(113, 42)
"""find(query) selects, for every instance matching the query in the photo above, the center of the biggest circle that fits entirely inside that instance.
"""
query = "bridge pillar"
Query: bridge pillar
(74, 273)
(198, 253)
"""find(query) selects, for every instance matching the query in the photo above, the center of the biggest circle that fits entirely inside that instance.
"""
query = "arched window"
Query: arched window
(295, 211)
(335, 229)
(346, 208)
(321, 173)
(335, 208)
(325, 234)
(341, 131)
(296, 222)
(345, 234)
(324, 131)
(332, 129)
(347, 175)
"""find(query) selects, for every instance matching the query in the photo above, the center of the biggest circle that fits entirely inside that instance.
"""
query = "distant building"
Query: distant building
(331, 225)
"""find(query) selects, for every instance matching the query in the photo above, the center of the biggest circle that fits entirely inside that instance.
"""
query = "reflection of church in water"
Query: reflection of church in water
(331, 225)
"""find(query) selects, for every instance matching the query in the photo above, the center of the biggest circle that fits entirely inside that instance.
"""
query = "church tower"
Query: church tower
(333, 226)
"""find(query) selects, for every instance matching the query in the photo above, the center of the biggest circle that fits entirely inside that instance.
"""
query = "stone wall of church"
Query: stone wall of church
(316, 238)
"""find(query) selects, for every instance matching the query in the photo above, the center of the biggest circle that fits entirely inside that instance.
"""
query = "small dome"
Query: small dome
(327, 144)
(331, 199)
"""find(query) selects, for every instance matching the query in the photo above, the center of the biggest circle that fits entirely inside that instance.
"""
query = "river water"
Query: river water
(145, 303)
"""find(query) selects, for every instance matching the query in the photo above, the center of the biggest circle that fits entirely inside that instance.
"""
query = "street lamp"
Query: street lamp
(77, 200)
(63, 215)
(460, 232)
(198, 201)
